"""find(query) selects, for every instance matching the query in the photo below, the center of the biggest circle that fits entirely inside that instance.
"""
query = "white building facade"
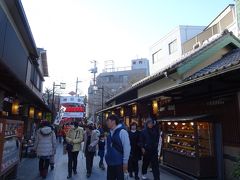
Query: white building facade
(186, 39)
(169, 48)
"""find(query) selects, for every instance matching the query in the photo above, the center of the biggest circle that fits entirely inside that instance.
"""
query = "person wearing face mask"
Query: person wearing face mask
(74, 139)
(89, 148)
(135, 155)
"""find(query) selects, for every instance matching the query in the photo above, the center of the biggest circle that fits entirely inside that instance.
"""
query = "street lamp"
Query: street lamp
(62, 86)
(96, 88)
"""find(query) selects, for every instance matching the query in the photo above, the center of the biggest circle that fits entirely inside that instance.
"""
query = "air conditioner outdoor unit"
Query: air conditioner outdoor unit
(197, 45)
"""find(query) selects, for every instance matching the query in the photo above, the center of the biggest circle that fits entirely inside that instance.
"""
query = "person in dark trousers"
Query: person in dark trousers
(135, 155)
(52, 158)
(45, 146)
(101, 150)
(74, 139)
(90, 146)
(149, 141)
(118, 150)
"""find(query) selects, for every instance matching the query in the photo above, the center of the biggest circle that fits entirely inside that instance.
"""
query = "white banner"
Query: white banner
(73, 115)
(72, 99)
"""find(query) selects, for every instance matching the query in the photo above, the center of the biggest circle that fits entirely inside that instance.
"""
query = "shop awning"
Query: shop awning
(231, 66)
(185, 118)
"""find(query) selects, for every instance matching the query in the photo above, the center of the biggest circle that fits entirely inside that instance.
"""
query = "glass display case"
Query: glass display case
(192, 139)
(188, 146)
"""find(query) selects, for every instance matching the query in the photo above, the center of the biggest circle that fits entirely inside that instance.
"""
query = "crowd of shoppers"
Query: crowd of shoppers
(122, 147)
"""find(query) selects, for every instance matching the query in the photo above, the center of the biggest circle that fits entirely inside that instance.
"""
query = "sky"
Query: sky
(74, 32)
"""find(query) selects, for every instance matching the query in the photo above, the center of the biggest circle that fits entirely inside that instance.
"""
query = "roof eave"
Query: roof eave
(17, 12)
(174, 67)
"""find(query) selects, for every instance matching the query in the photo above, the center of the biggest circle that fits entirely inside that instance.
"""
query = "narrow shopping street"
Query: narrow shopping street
(28, 169)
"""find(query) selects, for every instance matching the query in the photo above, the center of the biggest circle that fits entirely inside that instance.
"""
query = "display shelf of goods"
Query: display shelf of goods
(205, 140)
(181, 139)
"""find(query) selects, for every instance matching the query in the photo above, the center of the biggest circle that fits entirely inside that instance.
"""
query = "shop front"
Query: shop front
(189, 145)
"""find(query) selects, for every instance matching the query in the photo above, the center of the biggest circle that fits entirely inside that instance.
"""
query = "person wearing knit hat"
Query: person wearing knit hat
(149, 141)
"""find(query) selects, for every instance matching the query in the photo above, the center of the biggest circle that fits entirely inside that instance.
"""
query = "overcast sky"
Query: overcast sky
(74, 32)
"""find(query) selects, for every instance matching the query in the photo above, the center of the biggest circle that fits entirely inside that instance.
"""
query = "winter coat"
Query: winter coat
(45, 144)
(75, 137)
(93, 142)
(101, 147)
(134, 138)
(149, 139)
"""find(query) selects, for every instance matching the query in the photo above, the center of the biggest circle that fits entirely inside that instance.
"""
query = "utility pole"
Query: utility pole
(94, 71)
(77, 85)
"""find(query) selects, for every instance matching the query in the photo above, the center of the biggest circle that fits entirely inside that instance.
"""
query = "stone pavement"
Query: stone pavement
(28, 169)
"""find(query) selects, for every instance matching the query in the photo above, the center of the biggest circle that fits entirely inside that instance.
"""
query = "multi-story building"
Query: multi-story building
(113, 81)
(226, 20)
(169, 47)
(186, 39)
(22, 70)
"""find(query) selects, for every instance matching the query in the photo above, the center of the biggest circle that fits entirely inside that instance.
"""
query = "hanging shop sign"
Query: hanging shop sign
(73, 115)
(72, 100)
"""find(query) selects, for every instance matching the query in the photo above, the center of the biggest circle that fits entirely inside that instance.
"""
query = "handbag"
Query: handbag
(91, 149)
(69, 147)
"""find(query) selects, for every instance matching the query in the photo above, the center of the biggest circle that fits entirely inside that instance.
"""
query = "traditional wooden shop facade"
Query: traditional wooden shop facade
(197, 102)
(22, 71)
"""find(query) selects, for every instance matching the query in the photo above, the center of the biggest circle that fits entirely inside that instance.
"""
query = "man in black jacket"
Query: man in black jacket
(149, 144)
(135, 155)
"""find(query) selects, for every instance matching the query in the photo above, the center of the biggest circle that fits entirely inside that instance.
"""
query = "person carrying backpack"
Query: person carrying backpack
(118, 150)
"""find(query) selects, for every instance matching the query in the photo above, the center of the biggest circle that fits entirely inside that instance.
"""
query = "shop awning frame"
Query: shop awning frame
(183, 84)
(185, 118)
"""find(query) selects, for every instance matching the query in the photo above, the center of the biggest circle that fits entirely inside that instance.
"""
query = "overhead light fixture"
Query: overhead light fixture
(15, 107)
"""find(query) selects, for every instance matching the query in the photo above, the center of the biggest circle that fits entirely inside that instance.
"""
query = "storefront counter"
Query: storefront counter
(189, 146)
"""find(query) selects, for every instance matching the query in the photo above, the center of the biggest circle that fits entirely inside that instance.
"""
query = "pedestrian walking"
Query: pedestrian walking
(45, 147)
(52, 158)
(90, 146)
(74, 139)
(118, 150)
(60, 135)
(135, 155)
(101, 150)
(149, 141)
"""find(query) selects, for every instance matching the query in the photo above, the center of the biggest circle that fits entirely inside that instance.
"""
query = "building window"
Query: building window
(134, 62)
(40, 85)
(140, 62)
(125, 78)
(172, 46)
(32, 72)
(157, 56)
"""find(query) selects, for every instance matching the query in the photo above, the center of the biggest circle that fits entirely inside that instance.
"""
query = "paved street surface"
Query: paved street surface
(28, 169)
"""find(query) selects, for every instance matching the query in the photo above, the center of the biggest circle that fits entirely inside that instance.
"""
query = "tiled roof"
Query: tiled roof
(178, 62)
(228, 60)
